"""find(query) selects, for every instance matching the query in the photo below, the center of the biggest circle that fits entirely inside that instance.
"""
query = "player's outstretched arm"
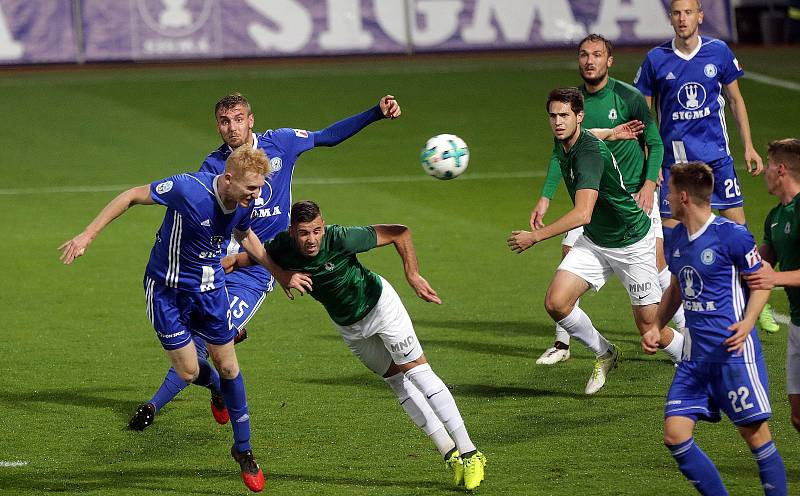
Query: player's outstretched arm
(741, 329)
(767, 277)
(739, 110)
(400, 236)
(387, 108)
(626, 131)
(287, 279)
(74, 248)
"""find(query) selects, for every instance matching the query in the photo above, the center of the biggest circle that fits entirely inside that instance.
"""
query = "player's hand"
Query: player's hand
(763, 278)
(627, 131)
(650, 340)
(740, 331)
(301, 281)
(229, 263)
(537, 214)
(660, 177)
(74, 248)
(644, 198)
(750, 156)
(423, 289)
(520, 241)
(389, 107)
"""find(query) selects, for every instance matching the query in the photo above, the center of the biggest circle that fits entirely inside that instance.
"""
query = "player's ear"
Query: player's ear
(610, 61)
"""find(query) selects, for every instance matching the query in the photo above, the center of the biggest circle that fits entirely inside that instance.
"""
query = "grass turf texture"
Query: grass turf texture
(79, 354)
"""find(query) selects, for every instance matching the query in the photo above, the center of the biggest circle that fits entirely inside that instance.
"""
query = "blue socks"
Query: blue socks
(698, 468)
(235, 400)
(771, 469)
(173, 384)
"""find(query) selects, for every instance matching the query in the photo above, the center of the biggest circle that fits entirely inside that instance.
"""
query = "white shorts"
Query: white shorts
(655, 221)
(635, 265)
(793, 360)
(384, 335)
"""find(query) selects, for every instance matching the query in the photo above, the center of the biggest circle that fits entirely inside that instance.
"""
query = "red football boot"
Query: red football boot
(252, 475)
(218, 409)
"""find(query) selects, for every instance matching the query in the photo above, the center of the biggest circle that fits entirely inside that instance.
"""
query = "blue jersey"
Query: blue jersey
(708, 266)
(688, 97)
(271, 211)
(189, 244)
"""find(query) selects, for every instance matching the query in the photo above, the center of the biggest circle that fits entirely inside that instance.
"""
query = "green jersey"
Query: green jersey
(782, 234)
(617, 103)
(346, 289)
(617, 220)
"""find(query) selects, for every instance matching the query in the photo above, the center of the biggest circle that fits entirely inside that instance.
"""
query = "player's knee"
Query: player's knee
(558, 308)
(672, 439)
(188, 375)
(228, 369)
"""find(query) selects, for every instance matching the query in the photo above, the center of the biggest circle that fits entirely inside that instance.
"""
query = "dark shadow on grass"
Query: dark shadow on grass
(91, 397)
(494, 327)
(492, 349)
(365, 379)
(490, 391)
(167, 479)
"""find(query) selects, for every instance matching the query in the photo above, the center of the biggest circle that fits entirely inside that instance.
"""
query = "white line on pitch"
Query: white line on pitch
(11, 464)
(308, 181)
(781, 83)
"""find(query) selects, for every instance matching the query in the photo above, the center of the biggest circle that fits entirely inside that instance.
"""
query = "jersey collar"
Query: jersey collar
(255, 143)
(219, 200)
(700, 231)
(691, 55)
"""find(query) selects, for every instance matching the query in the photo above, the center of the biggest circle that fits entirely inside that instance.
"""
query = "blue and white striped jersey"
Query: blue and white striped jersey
(708, 266)
(189, 244)
(687, 91)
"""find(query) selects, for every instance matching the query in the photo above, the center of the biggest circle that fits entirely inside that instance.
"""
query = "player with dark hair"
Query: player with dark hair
(185, 283)
(723, 369)
(609, 102)
(375, 325)
(781, 248)
(248, 288)
(618, 237)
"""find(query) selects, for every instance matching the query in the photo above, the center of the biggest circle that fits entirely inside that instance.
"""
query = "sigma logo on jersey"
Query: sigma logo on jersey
(275, 164)
(710, 70)
(261, 208)
(691, 96)
(301, 133)
(164, 187)
(753, 257)
(691, 282)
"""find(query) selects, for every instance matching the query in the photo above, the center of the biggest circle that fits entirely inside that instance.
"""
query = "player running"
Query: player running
(375, 325)
(609, 102)
(724, 368)
(184, 282)
(618, 237)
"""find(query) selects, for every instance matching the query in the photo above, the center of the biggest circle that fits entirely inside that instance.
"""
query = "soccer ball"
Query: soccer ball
(445, 156)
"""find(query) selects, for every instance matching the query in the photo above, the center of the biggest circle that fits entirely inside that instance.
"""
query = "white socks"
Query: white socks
(578, 325)
(675, 348)
(415, 405)
(443, 404)
(664, 279)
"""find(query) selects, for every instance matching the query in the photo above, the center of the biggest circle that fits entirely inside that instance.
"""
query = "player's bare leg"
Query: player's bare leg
(559, 352)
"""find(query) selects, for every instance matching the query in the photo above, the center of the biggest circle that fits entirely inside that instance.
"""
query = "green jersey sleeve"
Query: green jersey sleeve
(590, 166)
(355, 239)
(553, 177)
(655, 151)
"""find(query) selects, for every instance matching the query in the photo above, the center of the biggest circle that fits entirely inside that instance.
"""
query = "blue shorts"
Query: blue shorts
(178, 316)
(700, 390)
(245, 300)
(727, 192)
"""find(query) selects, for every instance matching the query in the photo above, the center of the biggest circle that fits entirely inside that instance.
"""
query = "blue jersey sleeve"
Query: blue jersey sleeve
(645, 78)
(345, 128)
(730, 69)
(168, 192)
(292, 142)
(744, 250)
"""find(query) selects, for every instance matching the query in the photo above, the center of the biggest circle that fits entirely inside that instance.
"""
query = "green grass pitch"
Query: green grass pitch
(78, 354)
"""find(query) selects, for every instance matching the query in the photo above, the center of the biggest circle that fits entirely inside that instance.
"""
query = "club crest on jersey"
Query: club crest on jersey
(691, 282)
(275, 164)
(164, 187)
(710, 70)
(787, 228)
(329, 266)
(707, 256)
(612, 114)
